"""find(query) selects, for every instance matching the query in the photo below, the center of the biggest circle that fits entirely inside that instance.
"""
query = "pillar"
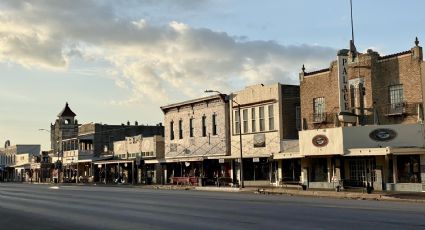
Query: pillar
(395, 169)
(304, 171)
(279, 172)
(422, 170)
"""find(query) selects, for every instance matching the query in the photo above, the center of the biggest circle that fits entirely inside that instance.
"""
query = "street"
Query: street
(26, 206)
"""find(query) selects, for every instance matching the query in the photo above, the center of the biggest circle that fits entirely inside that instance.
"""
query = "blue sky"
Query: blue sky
(117, 60)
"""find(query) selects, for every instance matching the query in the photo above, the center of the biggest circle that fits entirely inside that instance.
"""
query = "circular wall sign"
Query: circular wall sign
(382, 134)
(320, 140)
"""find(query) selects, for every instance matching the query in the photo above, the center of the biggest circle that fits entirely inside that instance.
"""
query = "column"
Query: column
(279, 172)
(395, 169)
(422, 170)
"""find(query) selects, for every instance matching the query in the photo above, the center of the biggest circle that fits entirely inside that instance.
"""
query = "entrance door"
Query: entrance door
(362, 172)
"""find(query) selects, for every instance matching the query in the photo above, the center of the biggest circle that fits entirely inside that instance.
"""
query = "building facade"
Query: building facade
(265, 118)
(130, 163)
(196, 137)
(20, 163)
(362, 121)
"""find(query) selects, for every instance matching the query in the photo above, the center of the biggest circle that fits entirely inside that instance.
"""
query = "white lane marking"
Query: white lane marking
(54, 187)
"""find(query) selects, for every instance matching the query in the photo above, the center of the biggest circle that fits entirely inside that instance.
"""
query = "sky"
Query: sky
(115, 61)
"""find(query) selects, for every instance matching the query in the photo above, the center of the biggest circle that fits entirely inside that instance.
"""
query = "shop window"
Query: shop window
(408, 169)
(256, 169)
(319, 170)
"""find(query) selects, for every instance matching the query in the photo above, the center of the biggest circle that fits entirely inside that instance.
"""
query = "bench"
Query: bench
(184, 180)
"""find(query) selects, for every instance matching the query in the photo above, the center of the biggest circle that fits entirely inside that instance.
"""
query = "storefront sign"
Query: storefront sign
(221, 161)
(343, 80)
(320, 140)
(382, 134)
(255, 159)
(259, 140)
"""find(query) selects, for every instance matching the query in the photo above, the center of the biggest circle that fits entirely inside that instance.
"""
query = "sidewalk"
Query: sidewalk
(348, 194)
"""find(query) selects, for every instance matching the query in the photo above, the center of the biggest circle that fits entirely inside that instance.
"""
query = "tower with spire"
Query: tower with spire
(65, 127)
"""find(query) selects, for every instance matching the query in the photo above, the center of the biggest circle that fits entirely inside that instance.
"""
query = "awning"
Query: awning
(154, 161)
(113, 162)
(287, 155)
(183, 159)
(222, 157)
(385, 151)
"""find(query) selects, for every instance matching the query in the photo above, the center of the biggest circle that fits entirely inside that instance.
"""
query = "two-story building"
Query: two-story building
(129, 161)
(196, 138)
(265, 118)
(20, 162)
(83, 144)
(362, 121)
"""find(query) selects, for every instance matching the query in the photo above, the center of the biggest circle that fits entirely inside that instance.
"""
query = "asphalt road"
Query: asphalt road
(24, 206)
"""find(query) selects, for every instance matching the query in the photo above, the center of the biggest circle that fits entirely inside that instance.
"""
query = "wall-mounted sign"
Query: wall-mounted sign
(221, 161)
(259, 140)
(383, 134)
(255, 159)
(320, 140)
(343, 80)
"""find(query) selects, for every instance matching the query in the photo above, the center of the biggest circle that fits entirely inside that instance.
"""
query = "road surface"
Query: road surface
(26, 206)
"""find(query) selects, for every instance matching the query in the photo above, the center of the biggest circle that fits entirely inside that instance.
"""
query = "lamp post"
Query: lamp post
(241, 184)
(58, 163)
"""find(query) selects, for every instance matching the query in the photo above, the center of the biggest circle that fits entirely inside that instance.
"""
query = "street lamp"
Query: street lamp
(58, 163)
(241, 184)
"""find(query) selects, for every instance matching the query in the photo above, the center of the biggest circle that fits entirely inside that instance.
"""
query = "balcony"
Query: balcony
(318, 118)
(400, 108)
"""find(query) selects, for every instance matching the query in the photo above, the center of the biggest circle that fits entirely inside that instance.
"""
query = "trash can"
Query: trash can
(304, 187)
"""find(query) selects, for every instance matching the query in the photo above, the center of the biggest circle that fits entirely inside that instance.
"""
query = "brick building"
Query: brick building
(362, 121)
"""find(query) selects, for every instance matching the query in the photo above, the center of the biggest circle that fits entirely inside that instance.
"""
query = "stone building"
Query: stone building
(19, 162)
(196, 137)
(362, 121)
(268, 119)
(82, 144)
(130, 160)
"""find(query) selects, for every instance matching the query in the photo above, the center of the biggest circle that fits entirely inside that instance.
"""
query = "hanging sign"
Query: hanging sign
(343, 80)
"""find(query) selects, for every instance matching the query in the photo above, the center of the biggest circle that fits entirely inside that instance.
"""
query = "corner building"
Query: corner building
(362, 122)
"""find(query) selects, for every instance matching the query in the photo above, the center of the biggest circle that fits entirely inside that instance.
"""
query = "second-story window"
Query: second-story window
(271, 117)
(204, 126)
(319, 109)
(245, 120)
(191, 127)
(396, 99)
(172, 130)
(237, 120)
(298, 117)
(181, 129)
(253, 127)
(214, 124)
(262, 123)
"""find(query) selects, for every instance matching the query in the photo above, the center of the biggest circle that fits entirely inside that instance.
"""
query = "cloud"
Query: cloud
(156, 63)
